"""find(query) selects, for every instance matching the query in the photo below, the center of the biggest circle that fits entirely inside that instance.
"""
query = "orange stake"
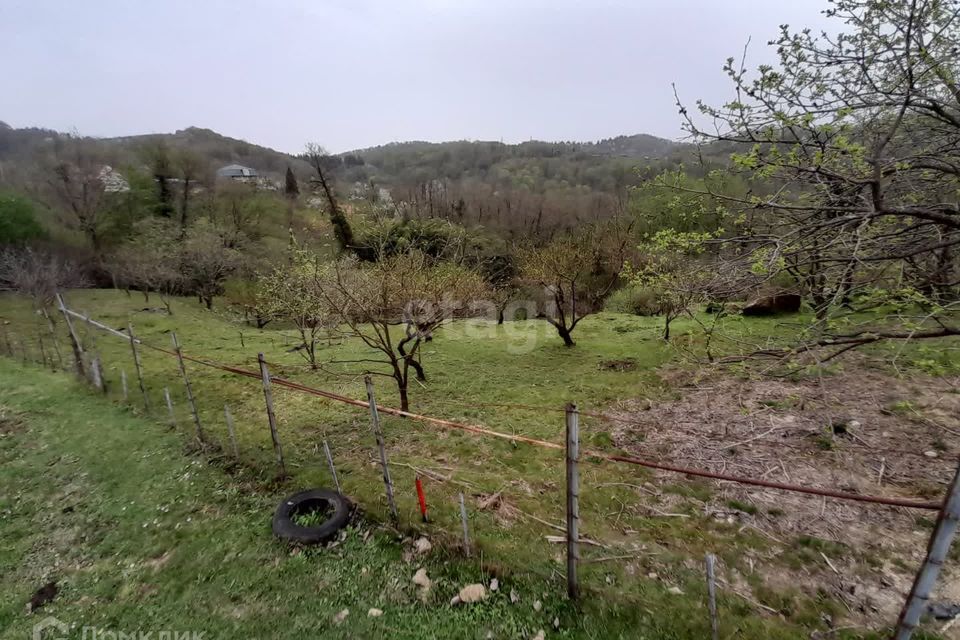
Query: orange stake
(422, 499)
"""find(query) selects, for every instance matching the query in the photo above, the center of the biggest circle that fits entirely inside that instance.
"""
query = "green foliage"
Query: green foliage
(635, 300)
(18, 221)
(433, 237)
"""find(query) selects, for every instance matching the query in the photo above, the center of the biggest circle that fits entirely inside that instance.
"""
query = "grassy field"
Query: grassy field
(649, 576)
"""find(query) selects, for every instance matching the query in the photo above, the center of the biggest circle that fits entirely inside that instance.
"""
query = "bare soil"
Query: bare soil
(860, 430)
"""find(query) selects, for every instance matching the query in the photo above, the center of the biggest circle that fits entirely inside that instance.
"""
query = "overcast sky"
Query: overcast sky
(356, 73)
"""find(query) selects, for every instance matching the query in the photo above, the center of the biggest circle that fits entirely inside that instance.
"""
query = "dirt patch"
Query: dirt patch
(628, 364)
(859, 431)
(9, 422)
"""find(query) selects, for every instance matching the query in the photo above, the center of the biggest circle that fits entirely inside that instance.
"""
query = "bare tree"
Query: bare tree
(206, 262)
(322, 163)
(149, 262)
(192, 169)
(37, 275)
(395, 304)
(74, 180)
(577, 271)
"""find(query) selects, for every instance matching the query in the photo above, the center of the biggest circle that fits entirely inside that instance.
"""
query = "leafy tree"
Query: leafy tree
(858, 138)
(18, 221)
(669, 271)
(291, 292)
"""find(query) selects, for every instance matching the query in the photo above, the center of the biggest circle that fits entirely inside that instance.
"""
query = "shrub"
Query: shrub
(638, 301)
(18, 221)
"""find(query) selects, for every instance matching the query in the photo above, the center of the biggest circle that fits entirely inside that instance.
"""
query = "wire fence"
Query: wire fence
(47, 349)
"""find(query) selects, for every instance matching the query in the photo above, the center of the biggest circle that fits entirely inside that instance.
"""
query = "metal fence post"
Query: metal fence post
(378, 434)
(74, 340)
(271, 417)
(333, 469)
(230, 431)
(139, 368)
(573, 500)
(937, 550)
(186, 384)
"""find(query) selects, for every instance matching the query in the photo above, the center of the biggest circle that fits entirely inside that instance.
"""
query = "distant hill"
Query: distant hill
(20, 147)
(219, 149)
(602, 166)
(538, 165)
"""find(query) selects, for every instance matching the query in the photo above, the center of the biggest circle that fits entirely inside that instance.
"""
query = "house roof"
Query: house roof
(236, 171)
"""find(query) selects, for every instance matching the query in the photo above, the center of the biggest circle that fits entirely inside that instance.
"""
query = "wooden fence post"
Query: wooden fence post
(170, 413)
(53, 337)
(466, 530)
(712, 597)
(6, 341)
(573, 500)
(74, 340)
(271, 417)
(123, 384)
(96, 372)
(43, 351)
(937, 549)
(378, 434)
(186, 384)
(136, 363)
(231, 432)
(333, 469)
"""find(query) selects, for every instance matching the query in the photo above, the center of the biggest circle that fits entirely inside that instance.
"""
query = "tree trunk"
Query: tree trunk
(565, 334)
(184, 206)
(404, 400)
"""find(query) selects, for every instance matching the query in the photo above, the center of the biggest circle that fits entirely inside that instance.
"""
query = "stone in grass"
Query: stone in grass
(473, 593)
(422, 546)
(494, 584)
(340, 617)
(374, 612)
(537, 605)
(540, 635)
(421, 580)
(677, 591)
(514, 596)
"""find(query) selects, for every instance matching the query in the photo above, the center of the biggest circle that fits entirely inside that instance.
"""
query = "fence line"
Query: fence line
(588, 453)
(949, 508)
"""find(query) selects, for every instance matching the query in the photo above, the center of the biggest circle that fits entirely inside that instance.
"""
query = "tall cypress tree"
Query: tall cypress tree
(292, 189)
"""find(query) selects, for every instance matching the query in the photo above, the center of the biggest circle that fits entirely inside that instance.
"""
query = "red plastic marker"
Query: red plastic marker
(422, 499)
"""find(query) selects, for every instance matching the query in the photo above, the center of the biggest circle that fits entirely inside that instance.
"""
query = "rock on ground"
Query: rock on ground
(422, 545)
(421, 580)
(473, 593)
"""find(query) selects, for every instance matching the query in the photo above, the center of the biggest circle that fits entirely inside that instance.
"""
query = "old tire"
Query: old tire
(285, 528)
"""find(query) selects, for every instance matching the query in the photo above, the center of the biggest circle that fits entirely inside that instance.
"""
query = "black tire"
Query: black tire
(285, 528)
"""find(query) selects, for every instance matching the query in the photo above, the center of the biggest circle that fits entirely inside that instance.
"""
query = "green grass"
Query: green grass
(140, 537)
(466, 365)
